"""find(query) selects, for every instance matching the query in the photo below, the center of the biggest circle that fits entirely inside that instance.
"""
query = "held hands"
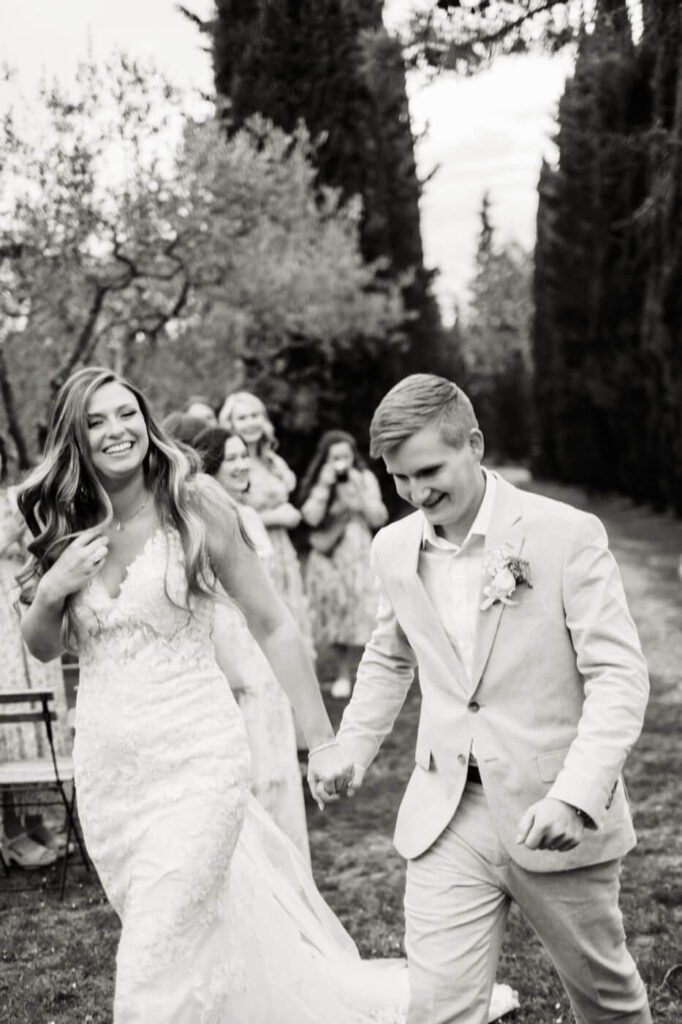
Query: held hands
(357, 779)
(330, 773)
(76, 566)
(551, 824)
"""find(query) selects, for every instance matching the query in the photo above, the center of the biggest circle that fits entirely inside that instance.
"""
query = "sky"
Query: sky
(485, 133)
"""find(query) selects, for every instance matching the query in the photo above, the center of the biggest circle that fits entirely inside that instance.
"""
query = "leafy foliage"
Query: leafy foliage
(134, 234)
(331, 64)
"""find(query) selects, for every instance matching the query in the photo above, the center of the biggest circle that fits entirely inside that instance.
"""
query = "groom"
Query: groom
(533, 688)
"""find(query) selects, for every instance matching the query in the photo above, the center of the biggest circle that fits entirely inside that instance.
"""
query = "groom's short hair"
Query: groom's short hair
(416, 401)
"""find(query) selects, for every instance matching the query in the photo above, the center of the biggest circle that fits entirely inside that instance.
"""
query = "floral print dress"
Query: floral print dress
(340, 584)
(272, 483)
(21, 670)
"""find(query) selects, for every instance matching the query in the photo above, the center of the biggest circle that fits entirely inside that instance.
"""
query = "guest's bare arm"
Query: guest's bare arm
(282, 515)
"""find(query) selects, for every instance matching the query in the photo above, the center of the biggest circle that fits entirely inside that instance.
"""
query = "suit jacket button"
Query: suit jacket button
(461, 758)
(474, 706)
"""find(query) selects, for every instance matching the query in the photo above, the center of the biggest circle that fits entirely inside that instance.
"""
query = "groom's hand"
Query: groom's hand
(329, 774)
(551, 825)
(357, 779)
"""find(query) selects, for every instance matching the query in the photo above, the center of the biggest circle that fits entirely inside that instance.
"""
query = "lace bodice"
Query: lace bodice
(150, 622)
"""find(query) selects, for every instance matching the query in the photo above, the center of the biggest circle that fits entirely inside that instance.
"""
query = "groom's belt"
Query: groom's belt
(473, 774)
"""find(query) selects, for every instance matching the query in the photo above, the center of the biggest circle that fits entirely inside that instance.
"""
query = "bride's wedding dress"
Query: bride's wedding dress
(221, 921)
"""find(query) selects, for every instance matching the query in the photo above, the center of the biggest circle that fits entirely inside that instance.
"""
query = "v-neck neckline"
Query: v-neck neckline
(113, 598)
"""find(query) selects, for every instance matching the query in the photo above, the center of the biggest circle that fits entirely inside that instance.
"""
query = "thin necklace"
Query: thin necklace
(121, 523)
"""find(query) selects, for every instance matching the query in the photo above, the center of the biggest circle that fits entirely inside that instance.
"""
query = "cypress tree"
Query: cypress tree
(332, 64)
(496, 344)
(661, 240)
(588, 278)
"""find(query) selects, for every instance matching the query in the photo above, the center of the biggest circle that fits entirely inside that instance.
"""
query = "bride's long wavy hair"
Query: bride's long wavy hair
(63, 496)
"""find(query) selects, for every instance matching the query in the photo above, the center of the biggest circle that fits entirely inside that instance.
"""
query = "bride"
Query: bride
(131, 549)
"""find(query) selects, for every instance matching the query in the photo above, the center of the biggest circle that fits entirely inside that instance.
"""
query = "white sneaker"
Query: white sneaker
(341, 689)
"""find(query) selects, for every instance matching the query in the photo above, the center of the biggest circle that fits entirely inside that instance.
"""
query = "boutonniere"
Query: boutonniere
(505, 573)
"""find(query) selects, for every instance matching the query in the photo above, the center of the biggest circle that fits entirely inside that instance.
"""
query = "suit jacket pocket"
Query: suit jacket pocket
(550, 763)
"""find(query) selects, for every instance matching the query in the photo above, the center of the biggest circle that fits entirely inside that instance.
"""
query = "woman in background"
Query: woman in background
(275, 775)
(183, 427)
(341, 502)
(199, 407)
(28, 841)
(271, 485)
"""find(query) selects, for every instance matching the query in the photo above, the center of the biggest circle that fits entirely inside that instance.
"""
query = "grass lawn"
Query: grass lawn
(56, 960)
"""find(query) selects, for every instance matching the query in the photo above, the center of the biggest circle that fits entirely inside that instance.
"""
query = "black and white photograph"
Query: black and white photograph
(341, 512)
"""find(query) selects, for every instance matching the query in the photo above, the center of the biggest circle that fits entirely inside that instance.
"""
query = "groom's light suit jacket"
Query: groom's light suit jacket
(555, 700)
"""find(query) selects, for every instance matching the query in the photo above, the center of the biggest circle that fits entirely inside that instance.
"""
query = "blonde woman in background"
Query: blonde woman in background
(271, 486)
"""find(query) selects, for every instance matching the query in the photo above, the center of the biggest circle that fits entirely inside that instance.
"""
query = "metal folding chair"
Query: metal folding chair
(53, 772)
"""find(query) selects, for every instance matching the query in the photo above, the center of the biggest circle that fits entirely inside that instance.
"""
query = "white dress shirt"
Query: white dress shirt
(453, 575)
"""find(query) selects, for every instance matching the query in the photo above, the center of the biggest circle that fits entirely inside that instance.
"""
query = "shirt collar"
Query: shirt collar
(479, 527)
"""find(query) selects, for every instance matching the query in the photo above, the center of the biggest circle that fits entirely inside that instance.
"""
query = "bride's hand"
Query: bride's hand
(329, 773)
(76, 565)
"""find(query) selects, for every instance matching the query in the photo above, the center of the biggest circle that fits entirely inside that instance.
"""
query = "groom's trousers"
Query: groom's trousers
(456, 902)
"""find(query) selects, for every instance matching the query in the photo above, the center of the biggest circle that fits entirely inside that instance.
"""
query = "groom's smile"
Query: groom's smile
(431, 503)
(444, 481)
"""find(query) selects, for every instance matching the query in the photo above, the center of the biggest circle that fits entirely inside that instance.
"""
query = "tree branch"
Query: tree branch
(489, 39)
(445, 41)
(13, 423)
(180, 301)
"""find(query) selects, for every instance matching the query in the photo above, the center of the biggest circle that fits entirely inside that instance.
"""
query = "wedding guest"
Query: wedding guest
(200, 408)
(28, 841)
(341, 501)
(275, 775)
(271, 485)
(183, 427)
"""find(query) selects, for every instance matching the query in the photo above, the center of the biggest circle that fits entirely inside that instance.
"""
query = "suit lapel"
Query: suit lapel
(504, 532)
(424, 616)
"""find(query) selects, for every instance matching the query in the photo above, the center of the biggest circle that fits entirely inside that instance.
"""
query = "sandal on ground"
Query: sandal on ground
(27, 854)
(55, 841)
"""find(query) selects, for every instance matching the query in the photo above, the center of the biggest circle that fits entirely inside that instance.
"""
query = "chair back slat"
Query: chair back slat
(25, 696)
(17, 717)
(52, 771)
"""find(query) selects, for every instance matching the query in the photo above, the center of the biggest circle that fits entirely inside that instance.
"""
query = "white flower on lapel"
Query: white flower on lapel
(505, 573)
